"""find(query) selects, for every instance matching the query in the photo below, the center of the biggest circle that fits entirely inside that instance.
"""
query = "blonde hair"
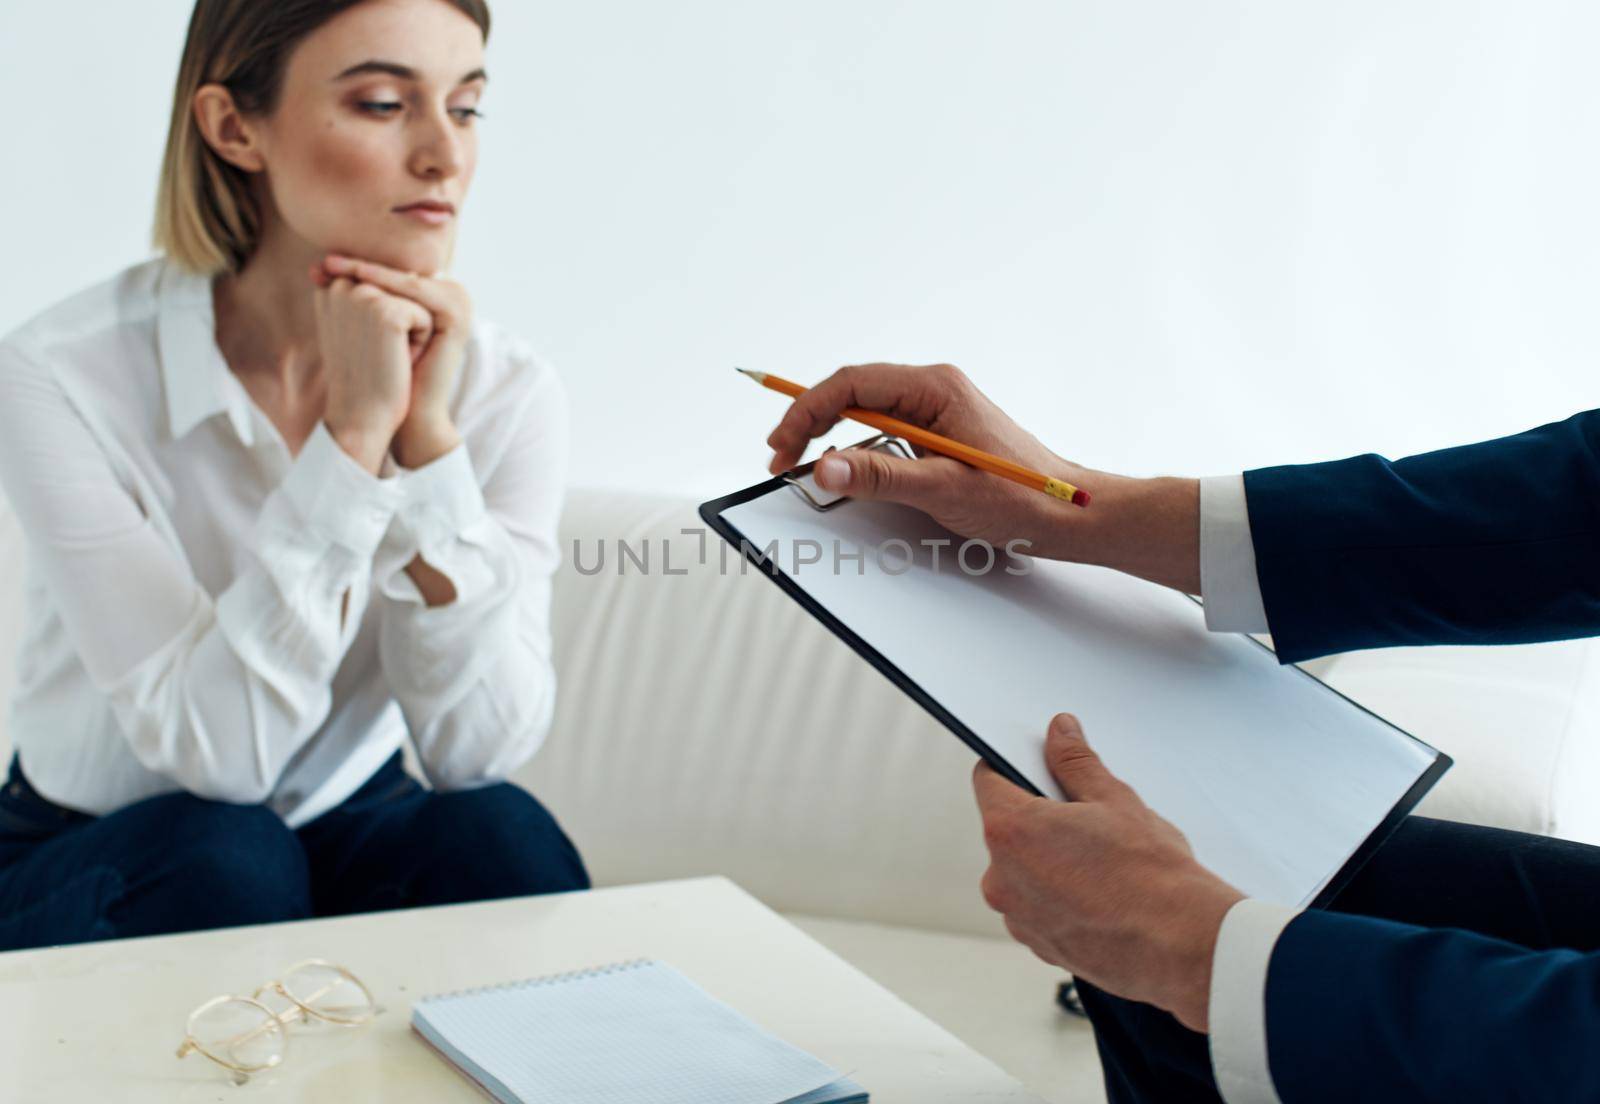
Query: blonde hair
(207, 217)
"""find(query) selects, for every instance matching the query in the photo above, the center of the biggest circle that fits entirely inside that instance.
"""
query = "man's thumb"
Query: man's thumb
(1078, 770)
(868, 473)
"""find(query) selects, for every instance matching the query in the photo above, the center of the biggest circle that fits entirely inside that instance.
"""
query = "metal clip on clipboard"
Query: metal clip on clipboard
(800, 479)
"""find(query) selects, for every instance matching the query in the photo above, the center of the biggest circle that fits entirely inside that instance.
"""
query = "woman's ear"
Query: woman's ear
(233, 137)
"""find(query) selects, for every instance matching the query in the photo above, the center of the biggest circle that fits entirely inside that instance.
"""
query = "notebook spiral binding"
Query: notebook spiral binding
(541, 982)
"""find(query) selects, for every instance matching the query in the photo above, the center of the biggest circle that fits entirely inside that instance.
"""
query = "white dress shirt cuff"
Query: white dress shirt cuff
(337, 498)
(440, 504)
(1238, 1005)
(1228, 582)
(441, 499)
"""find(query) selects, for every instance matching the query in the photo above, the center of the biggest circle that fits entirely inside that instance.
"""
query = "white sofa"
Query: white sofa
(707, 725)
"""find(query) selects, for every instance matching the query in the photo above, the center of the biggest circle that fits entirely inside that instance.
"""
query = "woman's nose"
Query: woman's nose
(438, 153)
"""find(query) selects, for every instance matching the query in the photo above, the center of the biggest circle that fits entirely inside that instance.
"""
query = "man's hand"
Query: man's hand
(1101, 885)
(1146, 527)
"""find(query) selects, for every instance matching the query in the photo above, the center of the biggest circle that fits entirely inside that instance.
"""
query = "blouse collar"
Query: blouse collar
(197, 380)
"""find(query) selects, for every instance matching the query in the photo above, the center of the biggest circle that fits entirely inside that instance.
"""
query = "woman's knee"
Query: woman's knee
(216, 865)
(504, 839)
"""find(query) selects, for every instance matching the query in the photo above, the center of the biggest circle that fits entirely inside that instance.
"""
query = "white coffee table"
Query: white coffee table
(102, 1021)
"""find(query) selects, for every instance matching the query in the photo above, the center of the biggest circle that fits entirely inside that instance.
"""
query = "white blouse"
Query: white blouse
(185, 571)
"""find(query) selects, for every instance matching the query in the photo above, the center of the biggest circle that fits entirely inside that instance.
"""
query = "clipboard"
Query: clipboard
(1265, 822)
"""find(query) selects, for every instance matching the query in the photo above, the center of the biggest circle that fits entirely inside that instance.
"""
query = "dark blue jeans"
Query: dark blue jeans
(1530, 890)
(180, 863)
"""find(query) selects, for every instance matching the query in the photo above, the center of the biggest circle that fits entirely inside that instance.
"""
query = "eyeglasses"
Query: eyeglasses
(246, 1035)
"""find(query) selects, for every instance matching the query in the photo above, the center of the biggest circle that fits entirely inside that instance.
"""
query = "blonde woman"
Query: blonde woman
(287, 506)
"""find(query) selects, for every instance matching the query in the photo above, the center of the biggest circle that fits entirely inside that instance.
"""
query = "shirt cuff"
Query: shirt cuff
(1228, 582)
(439, 503)
(337, 498)
(441, 499)
(1237, 1009)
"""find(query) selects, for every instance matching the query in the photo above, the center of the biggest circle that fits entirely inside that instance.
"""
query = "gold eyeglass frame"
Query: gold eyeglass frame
(274, 1021)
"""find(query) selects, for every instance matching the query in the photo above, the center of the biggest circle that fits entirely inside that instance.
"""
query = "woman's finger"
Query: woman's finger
(399, 310)
(441, 297)
(423, 325)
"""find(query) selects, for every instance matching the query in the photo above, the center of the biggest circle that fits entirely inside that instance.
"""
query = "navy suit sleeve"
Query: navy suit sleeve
(1364, 1009)
(1492, 543)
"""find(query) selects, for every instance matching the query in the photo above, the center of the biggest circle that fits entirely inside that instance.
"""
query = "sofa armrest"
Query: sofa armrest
(1522, 724)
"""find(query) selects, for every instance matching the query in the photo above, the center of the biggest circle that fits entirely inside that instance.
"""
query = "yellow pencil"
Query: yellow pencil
(1056, 488)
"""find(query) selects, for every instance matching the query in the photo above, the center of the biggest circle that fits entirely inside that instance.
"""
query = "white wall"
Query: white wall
(1168, 235)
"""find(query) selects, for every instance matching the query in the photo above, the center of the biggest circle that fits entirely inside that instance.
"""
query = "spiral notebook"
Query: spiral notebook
(634, 1033)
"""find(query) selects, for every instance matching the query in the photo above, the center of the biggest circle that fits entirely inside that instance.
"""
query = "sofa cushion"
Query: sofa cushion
(706, 724)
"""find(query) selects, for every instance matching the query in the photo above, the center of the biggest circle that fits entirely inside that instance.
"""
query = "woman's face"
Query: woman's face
(377, 115)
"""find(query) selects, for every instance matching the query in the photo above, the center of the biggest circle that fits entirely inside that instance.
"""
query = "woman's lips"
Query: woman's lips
(431, 214)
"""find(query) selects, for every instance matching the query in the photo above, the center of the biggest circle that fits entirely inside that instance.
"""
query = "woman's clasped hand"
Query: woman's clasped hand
(392, 344)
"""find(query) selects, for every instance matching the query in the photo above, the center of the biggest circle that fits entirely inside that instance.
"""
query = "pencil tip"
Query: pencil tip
(757, 376)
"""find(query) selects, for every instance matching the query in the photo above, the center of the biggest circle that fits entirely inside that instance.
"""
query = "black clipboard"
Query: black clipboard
(792, 482)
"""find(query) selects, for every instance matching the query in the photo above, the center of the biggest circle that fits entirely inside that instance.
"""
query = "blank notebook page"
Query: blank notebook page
(1274, 778)
(630, 1034)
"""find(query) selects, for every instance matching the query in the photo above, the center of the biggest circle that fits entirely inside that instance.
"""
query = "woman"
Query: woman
(285, 503)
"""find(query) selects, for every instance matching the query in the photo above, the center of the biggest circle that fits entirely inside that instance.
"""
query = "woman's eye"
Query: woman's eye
(463, 115)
